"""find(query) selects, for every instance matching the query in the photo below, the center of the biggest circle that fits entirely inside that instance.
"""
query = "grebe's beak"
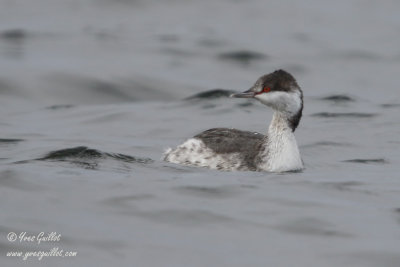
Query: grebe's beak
(246, 94)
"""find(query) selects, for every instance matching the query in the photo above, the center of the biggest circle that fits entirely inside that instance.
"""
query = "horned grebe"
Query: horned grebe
(231, 149)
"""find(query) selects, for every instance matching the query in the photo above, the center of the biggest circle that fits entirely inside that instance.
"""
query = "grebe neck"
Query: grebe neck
(280, 151)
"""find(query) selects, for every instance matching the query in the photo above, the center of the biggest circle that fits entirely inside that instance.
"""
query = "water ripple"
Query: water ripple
(211, 94)
(344, 115)
(243, 57)
(89, 158)
(366, 161)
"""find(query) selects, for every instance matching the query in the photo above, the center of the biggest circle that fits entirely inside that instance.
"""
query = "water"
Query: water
(93, 92)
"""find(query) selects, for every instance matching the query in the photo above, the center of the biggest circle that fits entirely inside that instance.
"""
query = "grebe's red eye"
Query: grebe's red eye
(266, 89)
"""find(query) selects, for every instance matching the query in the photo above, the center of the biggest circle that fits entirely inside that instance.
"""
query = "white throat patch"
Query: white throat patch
(285, 102)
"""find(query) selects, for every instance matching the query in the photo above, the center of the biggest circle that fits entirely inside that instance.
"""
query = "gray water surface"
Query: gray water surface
(93, 92)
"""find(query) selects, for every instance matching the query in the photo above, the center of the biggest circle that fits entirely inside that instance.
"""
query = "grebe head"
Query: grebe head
(280, 91)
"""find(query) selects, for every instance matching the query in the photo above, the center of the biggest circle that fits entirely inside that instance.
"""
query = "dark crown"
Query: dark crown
(279, 80)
